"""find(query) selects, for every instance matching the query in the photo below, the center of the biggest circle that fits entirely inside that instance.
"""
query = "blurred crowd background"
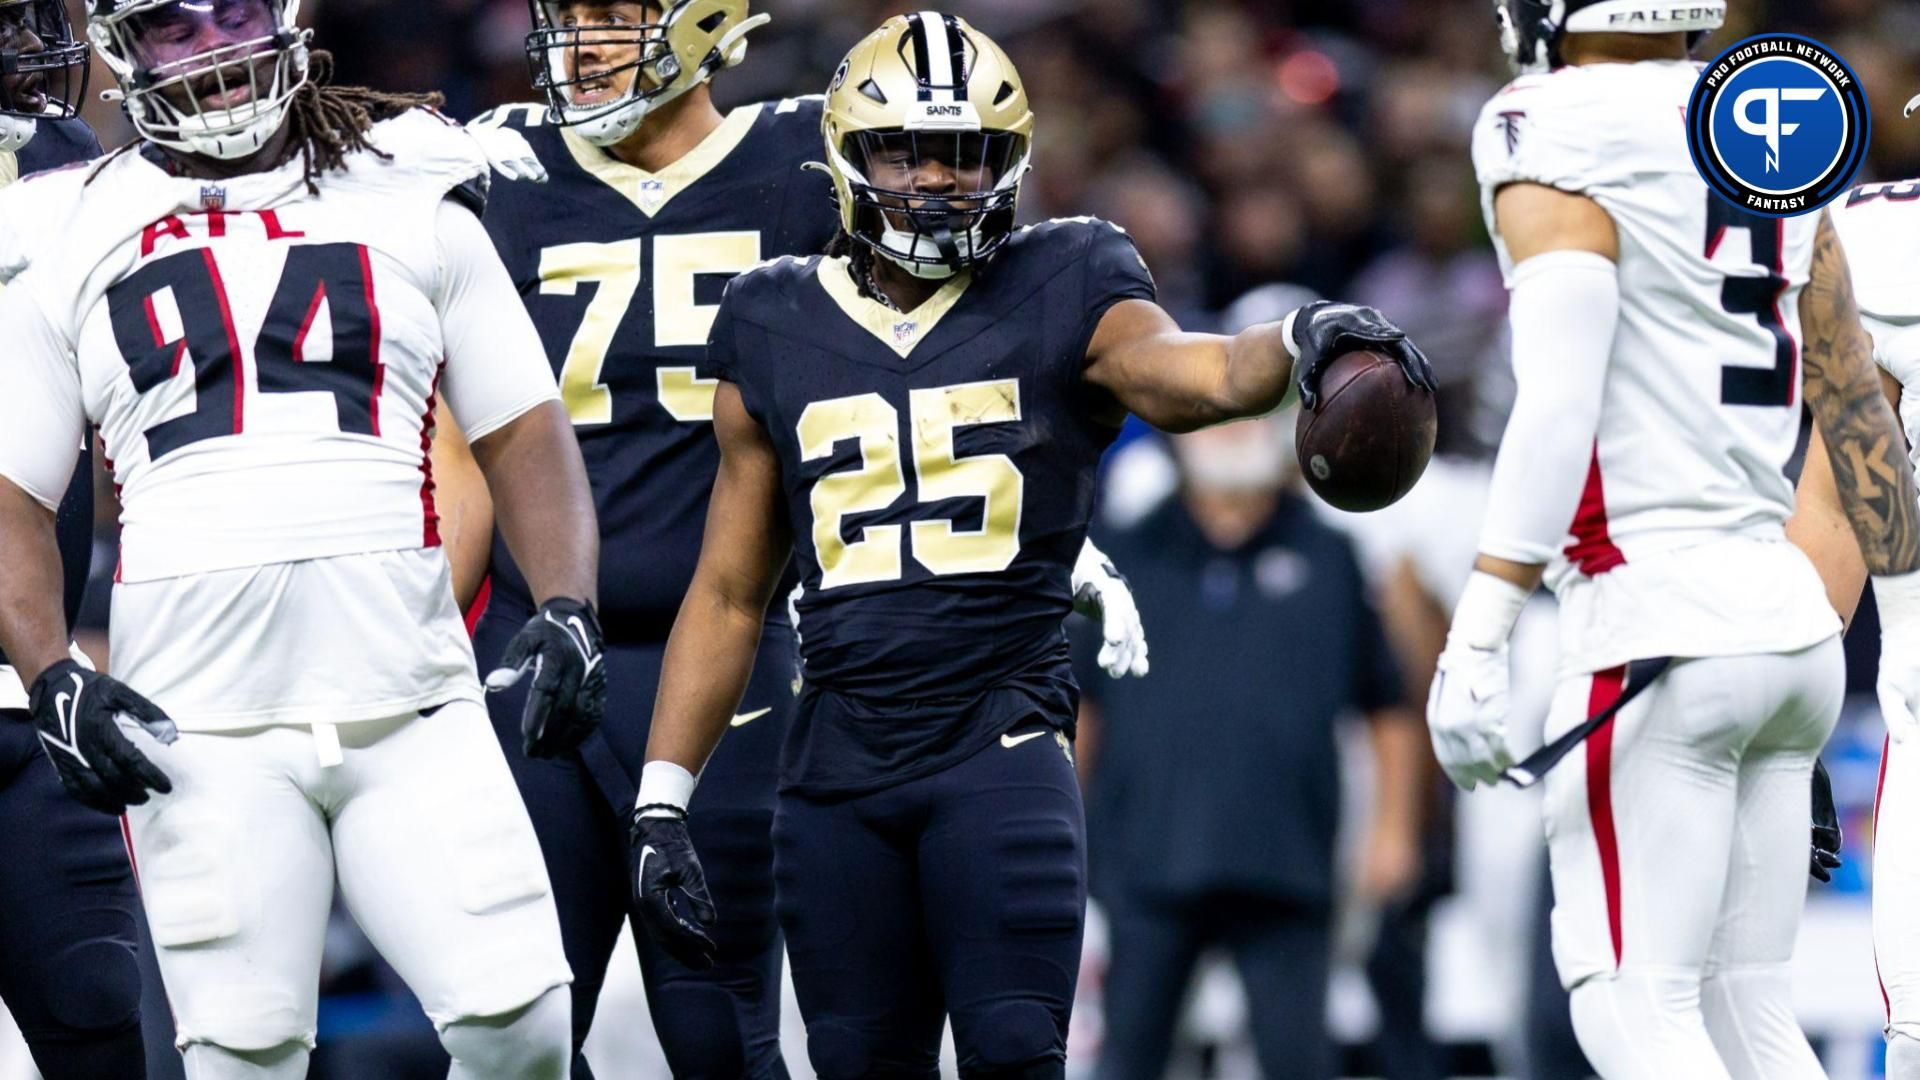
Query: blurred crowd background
(1256, 150)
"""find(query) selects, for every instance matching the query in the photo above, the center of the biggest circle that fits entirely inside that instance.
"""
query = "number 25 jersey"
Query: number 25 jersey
(939, 469)
(1678, 547)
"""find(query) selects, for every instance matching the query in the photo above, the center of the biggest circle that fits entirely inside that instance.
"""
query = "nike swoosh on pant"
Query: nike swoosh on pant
(1011, 741)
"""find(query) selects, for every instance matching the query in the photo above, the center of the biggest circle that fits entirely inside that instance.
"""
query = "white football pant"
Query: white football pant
(1679, 840)
(1896, 901)
(419, 819)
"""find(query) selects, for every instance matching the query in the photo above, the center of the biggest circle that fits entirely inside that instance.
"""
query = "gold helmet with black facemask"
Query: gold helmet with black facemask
(928, 137)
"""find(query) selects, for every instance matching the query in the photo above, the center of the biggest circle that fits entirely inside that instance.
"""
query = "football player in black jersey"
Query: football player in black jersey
(641, 201)
(69, 911)
(919, 419)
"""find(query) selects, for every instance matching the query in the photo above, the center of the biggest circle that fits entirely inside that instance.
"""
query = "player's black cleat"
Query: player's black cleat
(664, 863)
(74, 710)
(1324, 331)
(1826, 826)
(562, 646)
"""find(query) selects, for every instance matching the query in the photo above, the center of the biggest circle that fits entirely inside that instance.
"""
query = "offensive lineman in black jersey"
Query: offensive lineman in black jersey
(919, 420)
(69, 910)
(653, 200)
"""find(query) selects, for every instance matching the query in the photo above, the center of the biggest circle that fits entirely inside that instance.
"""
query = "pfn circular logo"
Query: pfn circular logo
(1778, 125)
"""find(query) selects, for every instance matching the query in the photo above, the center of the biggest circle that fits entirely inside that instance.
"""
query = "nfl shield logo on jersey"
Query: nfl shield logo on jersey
(213, 197)
(904, 332)
(653, 193)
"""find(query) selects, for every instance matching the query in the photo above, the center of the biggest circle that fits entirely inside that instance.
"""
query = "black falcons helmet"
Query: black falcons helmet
(1530, 29)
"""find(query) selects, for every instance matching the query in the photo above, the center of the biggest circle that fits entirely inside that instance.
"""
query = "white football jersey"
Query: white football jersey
(262, 363)
(1686, 498)
(1879, 226)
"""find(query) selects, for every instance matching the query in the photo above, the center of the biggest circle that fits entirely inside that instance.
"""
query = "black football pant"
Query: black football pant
(1284, 953)
(69, 921)
(959, 895)
(718, 1024)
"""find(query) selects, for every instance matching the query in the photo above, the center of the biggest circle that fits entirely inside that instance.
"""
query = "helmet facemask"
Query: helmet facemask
(604, 67)
(43, 68)
(208, 77)
(934, 202)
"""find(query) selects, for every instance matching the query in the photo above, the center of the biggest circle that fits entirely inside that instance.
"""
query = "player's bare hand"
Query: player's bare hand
(564, 651)
(1467, 714)
(76, 712)
(1325, 330)
(1100, 592)
(667, 881)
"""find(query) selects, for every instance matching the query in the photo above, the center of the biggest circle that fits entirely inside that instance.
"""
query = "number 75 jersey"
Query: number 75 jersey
(622, 271)
(1701, 405)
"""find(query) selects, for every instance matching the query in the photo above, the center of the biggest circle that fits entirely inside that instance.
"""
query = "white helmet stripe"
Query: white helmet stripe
(941, 44)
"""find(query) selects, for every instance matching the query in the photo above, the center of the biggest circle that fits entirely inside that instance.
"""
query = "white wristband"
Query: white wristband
(1286, 333)
(1488, 608)
(1898, 599)
(662, 783)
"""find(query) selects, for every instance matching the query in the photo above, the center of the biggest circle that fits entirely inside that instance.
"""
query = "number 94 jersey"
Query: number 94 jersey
(1685, 499)
(939, 469)
(622, 271)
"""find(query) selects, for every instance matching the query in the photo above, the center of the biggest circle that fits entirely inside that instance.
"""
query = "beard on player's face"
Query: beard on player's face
(217, 55)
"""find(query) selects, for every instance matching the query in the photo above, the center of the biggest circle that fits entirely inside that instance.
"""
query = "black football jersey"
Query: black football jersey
(939, 470)
(623, 271)
(57, 144)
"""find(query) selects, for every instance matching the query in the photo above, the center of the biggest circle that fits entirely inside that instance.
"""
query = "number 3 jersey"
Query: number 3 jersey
(938, 468)
(263, 365)
(622, 271)
(1678, 546)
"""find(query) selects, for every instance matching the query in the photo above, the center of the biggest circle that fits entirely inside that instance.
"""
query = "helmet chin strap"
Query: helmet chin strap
(16, 132)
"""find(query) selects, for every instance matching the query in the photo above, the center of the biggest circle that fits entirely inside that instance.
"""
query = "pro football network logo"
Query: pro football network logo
(1778, 125)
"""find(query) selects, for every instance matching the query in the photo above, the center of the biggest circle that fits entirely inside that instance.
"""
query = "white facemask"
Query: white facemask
(16, 132)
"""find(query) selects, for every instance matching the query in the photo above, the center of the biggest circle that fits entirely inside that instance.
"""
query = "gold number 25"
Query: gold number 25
(614, 270)
(933, 415)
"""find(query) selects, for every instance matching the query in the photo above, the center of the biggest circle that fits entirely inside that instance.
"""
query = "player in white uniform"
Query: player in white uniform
(258, 304)
(1657, 349)
(1879, 226)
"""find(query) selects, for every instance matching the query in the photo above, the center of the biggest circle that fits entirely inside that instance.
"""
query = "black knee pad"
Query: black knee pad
(1009, 1040)
(839, 1053)
(90, 989)
(1048, 1069)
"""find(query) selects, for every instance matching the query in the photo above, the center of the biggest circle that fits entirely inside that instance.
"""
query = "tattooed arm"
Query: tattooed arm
(1865, 447)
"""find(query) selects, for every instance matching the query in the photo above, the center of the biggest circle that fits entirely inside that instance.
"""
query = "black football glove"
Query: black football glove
(1325, 331)
(73, 710)
(1826, 826)
(563, 648)
(664, 864)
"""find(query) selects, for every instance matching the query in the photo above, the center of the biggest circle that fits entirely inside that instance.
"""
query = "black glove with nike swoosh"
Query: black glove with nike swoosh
(667, 878)
(74, 711)
(563, 647)
(1324, 331)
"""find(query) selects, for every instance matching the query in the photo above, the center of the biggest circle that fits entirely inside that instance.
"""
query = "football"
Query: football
(1370, 439)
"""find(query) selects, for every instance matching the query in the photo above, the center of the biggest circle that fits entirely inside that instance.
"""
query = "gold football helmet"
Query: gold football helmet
(602, 77)
(928, 138)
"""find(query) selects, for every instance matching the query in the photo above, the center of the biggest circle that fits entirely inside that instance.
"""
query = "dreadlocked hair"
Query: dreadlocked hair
(326, 122)
(329, 122)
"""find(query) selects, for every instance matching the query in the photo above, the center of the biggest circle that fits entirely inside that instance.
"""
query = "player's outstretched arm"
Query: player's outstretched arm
(709, 657)
(1179, 381)
(1866, 449)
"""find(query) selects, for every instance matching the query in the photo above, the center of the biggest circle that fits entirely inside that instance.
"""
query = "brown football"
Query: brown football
(1370, 439)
